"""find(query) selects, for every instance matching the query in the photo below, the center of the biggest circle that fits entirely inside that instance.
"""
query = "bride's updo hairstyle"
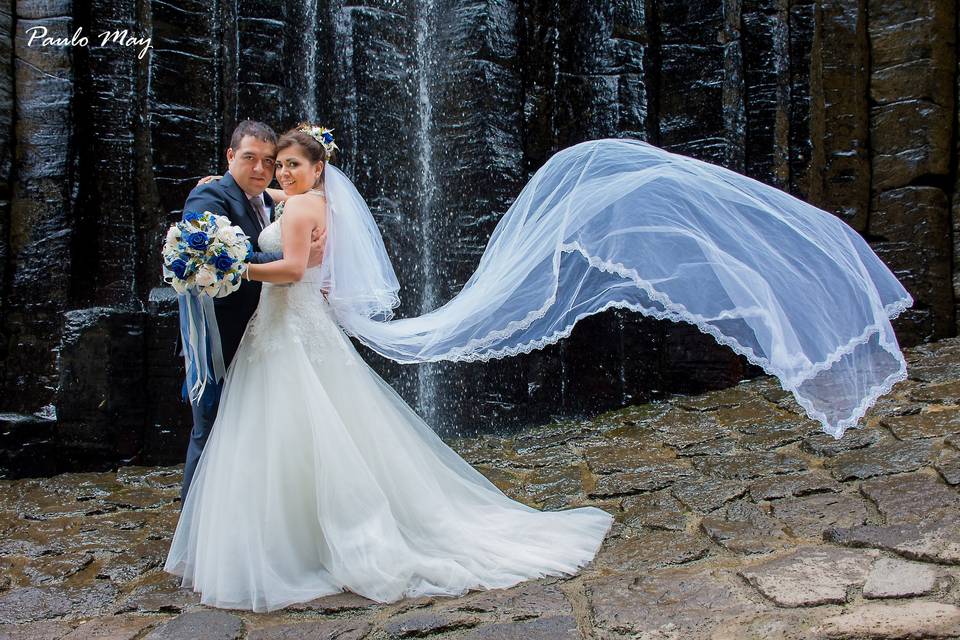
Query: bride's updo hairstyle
(306, 135)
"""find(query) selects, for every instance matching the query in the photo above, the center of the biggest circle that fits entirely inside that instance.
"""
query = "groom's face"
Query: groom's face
(251, 165)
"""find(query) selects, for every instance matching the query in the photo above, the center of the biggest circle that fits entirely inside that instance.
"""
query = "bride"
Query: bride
(318, 478)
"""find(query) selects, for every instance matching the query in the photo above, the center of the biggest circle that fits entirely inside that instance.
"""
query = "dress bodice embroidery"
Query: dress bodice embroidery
(295, 312)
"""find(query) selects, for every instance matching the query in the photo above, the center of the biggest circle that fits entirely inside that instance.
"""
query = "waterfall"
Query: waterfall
(427, 374)
(305, 95)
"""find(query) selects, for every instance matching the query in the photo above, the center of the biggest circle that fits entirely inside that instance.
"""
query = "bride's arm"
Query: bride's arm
(278, 195)
(298, 222)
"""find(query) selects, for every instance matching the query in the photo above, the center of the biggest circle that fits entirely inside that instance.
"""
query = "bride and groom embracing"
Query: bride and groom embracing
(316, 477)
(306, 473)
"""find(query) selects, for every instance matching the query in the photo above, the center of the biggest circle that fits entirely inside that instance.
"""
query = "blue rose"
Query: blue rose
(223, 262)
(190, 216)
(327, 137)
(179, 267)
(198, 240)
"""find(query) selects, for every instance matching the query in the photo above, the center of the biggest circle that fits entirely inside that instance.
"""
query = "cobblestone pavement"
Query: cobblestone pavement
(736, 518)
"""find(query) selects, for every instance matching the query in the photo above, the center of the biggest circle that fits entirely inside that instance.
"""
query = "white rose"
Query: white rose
(222, 221)
(237, 251)
(227, 235)
(170, 245)
(206, 276)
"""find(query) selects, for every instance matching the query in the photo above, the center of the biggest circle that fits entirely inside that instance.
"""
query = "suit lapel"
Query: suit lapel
(250, 222)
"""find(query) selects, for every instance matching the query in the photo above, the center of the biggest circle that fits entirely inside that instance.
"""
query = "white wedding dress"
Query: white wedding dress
(317, 478)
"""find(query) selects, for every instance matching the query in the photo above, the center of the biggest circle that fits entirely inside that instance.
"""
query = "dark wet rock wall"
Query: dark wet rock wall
(443, 110)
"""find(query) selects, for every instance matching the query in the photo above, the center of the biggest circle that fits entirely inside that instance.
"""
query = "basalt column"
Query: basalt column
(912, 119)
(37, 278)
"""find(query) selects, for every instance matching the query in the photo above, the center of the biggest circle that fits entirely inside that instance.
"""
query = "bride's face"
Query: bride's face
(295, 172)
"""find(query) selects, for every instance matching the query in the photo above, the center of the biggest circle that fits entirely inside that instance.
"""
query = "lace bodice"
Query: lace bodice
(269, 239)
(295, 313)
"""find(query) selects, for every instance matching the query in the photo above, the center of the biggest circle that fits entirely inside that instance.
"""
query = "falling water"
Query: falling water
(310, 44)
(305, 96)
(426, 373)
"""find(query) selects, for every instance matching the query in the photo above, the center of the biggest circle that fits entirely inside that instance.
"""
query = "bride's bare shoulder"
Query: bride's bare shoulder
(306, 205)
(309, 197)
(305, 202)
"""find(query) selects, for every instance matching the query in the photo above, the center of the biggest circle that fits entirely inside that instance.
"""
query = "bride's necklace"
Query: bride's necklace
(278, 209)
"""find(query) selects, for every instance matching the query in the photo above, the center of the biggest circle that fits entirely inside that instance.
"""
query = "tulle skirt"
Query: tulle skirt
(317, 478)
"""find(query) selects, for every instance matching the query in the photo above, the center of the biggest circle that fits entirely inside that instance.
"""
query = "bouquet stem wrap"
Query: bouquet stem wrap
(202, 353)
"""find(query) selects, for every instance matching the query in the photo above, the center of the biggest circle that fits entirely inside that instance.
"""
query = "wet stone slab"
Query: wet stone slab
(918, 619)
(810, 576)
(681, 603)
(527, 600)
(948, 465)
(882, 459)
(800, 484)
(754, 464)
(651, 549)
(704, 495)
(658, 510)
(822, 444)
(938, 421)
(735, 519)
(647, 475)
(209, 624)
(928, 541)
(551, 487)
(543, 628)
(682, 429)
(810, 516)
(744, 527)
(339, 629)
(943, 393)
(913, 497)
(895, 578)
(427, 622)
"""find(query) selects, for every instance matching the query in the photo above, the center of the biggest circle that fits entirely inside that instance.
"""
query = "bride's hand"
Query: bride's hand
(318, 243)
(206, 179)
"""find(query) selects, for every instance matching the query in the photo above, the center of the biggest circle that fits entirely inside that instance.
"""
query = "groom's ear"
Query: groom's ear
(230, 154)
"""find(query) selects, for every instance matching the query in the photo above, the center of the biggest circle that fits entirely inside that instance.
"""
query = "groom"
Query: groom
(240, 195)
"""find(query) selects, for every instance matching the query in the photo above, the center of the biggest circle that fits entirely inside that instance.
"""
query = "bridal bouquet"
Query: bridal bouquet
(204, 253)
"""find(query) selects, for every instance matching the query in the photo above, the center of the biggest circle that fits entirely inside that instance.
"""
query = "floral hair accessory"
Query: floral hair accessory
(321, 135)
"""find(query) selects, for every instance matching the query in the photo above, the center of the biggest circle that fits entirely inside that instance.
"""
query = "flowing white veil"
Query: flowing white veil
(622, 223)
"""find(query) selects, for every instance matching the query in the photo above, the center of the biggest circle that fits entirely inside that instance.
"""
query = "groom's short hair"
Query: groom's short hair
(258, 130)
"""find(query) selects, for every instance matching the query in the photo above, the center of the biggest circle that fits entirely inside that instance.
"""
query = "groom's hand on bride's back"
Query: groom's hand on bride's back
(318, 242)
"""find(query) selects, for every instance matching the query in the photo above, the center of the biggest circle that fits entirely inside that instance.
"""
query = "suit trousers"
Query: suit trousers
(204, 415)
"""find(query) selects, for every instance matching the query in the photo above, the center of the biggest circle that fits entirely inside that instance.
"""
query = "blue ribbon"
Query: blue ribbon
(202, 352)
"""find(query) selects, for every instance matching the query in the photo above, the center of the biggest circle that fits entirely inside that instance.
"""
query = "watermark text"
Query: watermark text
(38, 36)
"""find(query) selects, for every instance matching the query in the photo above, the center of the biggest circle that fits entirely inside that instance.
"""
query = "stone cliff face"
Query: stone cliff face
(443, 110)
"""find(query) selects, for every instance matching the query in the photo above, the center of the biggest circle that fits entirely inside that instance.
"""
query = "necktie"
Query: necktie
(258, 206)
